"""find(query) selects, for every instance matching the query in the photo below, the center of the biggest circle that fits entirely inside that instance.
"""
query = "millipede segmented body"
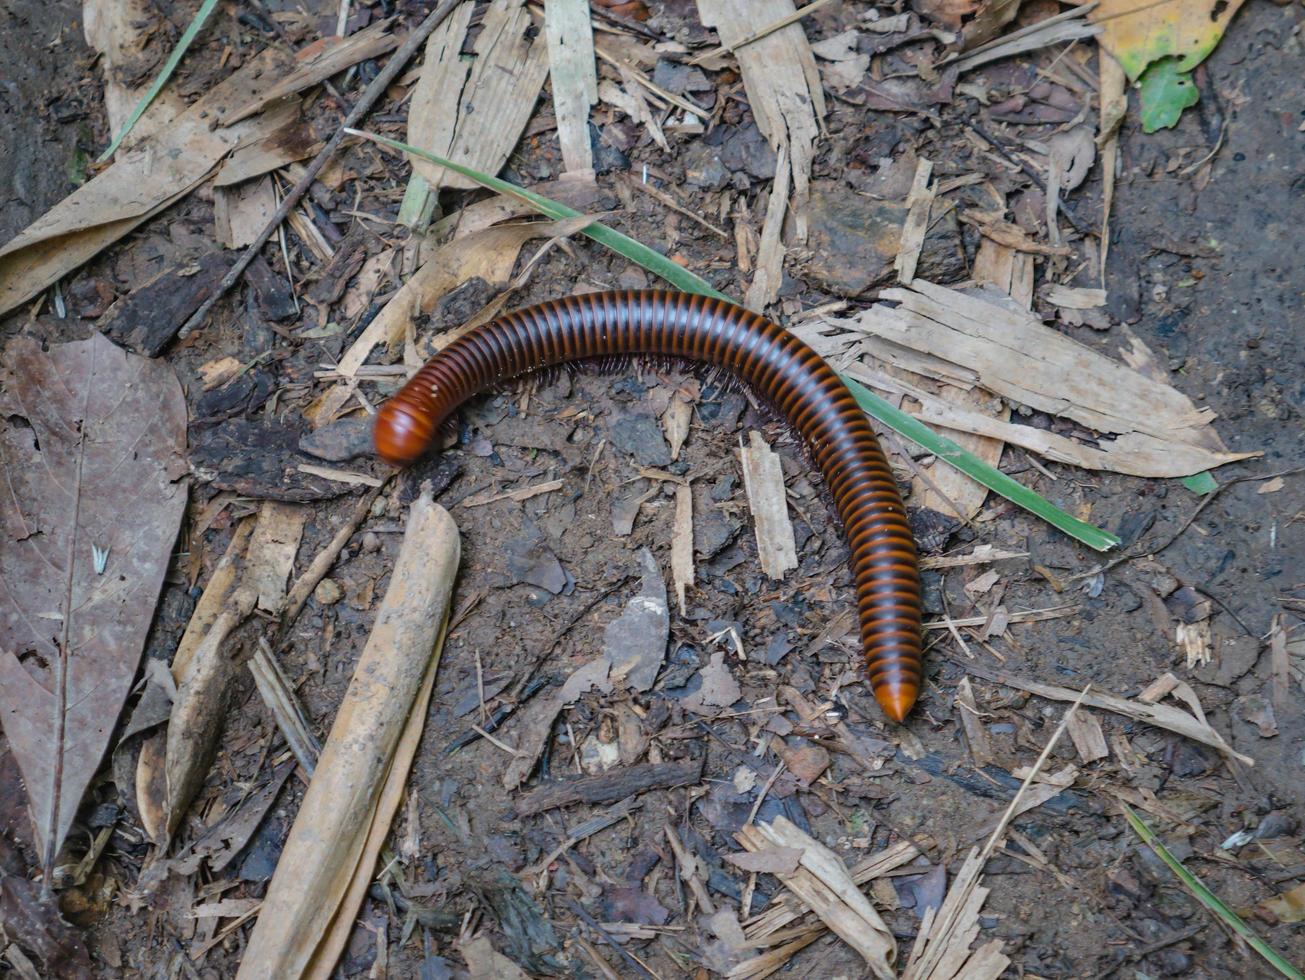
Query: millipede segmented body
(780, 368)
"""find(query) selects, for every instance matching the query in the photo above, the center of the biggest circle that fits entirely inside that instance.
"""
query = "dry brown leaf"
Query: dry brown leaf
(92, 443)
(140, 183)
(317, 62)
(951, 335)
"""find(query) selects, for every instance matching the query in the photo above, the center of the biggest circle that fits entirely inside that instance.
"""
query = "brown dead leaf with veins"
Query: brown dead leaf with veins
(949, 13)
(92, 446)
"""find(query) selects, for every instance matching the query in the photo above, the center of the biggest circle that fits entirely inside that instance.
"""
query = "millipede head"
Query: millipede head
(402, 435)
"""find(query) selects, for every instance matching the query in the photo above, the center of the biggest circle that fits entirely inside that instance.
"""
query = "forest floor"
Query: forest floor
(759, 682)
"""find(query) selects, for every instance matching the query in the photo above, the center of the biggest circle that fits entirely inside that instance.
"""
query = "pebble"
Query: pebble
(328, 592)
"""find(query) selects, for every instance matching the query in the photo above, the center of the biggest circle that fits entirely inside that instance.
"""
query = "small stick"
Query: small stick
(320, 565)
(369, 98)
(1028, 780)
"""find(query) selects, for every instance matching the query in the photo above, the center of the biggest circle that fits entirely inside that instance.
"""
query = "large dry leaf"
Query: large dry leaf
(475, 114)
(1140, 33)
(966, 339)
(140, 183)
(114, 29)
(92, 446)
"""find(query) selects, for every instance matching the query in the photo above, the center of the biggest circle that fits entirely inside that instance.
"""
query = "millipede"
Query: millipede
(781, 369)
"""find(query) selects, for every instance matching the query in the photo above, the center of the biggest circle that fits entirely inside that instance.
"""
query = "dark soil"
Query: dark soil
(1207, 276)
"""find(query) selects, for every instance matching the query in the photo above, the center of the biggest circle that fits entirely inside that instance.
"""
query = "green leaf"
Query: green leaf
(1208, 898)
(651, 260)
(1165, 93)
(165, 73)
(977, 470)
(1201, 483)
(897, 420)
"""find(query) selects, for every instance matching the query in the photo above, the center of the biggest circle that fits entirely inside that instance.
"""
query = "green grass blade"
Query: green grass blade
(897, 420)
(174, 59)
(977, 470)
(1209, 899)
(651, 260)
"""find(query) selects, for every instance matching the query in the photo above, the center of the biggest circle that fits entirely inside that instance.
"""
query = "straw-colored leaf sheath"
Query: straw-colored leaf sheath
(329, 840)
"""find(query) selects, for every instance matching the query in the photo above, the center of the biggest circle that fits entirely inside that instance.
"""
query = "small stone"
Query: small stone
(328, 592)
(371, 542)
(712, 531)
(641, 437)
(854, 240)
(703, 168)
(632, 277)
(338, 442)
(746, 149)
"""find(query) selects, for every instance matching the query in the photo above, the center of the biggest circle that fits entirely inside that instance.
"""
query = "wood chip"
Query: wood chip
(769, 274)
(573, 78)
(340, 476)
(781, 79)
(770, 860)
(682, 544)
(918, 205)
(1075, 297)
(763, 478)
(1088, 738)
(981, 554)
(1279, 664)
(240, 212)
(520, 494)
(475, 113)
(976, 735)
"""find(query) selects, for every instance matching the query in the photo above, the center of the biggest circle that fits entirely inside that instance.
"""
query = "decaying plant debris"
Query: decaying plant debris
(613, 723)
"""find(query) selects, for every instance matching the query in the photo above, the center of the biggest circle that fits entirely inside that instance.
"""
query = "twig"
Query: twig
(369, 98)
(1028, 780)
(320, 565)
(1032, 174)
(1209, 499)
(593, 924)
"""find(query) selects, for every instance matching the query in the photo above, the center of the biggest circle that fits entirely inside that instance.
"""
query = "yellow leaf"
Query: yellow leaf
(1138, 33)
(1289, 906)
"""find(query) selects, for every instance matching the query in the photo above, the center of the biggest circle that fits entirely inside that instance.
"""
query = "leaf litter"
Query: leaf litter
(711, 128)
(81, 422)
